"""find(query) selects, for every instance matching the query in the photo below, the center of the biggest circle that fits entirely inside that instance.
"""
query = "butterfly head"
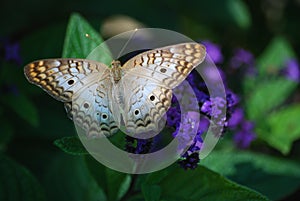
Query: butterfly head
(116, 70)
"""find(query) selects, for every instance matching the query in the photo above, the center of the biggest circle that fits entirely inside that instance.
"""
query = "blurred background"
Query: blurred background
(254, 43)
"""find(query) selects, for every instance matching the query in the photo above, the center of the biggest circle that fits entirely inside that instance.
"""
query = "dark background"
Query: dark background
(38, 27)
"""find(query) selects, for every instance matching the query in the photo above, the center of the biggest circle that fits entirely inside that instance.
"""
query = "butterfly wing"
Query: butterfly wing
(91, 109)
(62, 77)
(83, 85)
(149, 79)
(167, 66)
(144, 104)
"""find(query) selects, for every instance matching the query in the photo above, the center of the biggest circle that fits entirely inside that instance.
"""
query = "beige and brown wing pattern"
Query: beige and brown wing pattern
(62, 77)
(83, 85)
(167, 66)
(149, 79)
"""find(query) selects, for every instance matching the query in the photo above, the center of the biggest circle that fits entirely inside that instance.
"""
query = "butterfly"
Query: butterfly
(100, 99)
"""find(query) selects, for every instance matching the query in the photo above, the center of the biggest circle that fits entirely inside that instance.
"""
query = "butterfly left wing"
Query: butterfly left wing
(60, 78)
(84, 87)
(149, 79)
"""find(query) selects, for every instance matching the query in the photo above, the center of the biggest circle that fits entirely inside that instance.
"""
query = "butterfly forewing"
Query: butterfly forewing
(167, 66)
(62, 77)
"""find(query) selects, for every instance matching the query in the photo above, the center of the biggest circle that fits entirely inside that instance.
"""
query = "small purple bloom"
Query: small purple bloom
(12, 52)
(213, 107)
(232, 99)
(214, 51)
(245, 136)
(215, 75)
(190, 162)
(138, 146)
(236, 117)
(243, 58)
(203, 124)
(291, 70)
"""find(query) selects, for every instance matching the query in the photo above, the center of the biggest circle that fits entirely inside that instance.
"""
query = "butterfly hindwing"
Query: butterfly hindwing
(145, 103)
(91, 110)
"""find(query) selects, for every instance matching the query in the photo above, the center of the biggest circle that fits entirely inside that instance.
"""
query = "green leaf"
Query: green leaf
(67, 178)
(240, 13)
(78, 45)
(267, 96)
(6, 131)
(17, 183)
(266, 174)
(151, 192)
(115, 184)
(21, 105)
(201, 184)
(71, 145)
(284, 128)
(275, 55)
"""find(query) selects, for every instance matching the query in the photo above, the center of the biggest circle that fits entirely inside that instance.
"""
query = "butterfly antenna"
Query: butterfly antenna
(105, 48)
(132, 35)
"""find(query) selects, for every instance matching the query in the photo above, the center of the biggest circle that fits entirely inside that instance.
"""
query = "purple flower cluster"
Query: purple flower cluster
(243, 60)
(243, 129)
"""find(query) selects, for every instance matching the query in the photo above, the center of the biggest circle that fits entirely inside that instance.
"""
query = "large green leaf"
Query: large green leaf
(274, 177)
(78, 45)
(17, 183)
(275, 55)
(71, 145)
(115, 184)
(67, 178)
(199, 184)
(284, 128)
(6, 131)
(151, 192)
(266, 96)
(22, 106)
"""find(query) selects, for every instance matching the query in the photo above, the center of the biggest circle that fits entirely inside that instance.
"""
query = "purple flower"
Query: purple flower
(213, 107)
(291, 70)
(245, 136)
(198, 86)
(243, 58)
(12, 52)
(190, 162)
(236, 117)
(214, 51)
(215, 75)
(138, 146)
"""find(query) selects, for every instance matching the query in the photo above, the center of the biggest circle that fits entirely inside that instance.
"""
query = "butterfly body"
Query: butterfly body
(101, 99)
